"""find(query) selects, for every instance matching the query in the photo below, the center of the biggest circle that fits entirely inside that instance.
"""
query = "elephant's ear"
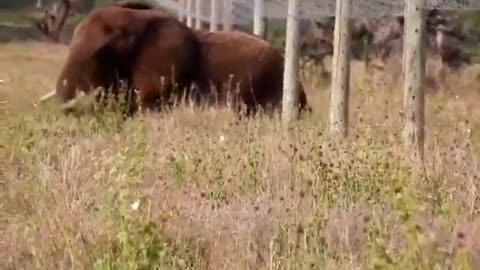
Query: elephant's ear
(77, 72)
(89, 38)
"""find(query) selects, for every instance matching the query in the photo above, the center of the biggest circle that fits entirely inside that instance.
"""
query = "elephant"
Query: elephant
(142, 43)
(148, 49)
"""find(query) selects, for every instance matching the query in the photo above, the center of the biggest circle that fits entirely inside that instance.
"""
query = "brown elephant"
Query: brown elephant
(138, 46)
(143, 43)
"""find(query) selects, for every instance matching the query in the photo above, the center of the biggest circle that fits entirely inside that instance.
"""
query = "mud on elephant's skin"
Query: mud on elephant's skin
(138, 46)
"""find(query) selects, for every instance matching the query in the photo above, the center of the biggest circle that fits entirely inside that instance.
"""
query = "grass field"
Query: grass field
(197, 189)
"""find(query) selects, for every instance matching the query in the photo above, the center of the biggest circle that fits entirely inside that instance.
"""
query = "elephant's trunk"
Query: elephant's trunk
(71, 78)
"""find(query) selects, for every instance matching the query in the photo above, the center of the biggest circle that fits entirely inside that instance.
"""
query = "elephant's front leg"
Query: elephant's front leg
(151, 90)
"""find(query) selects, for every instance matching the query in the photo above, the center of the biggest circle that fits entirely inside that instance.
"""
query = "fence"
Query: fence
(243, 12)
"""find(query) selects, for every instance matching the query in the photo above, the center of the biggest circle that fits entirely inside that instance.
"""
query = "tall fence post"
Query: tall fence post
(227, 15)
(290, 84)
(413, 77)
(181, 10)
(258, 18)
(340, 87)
(213, 15)
(198, 14)
(189, 13)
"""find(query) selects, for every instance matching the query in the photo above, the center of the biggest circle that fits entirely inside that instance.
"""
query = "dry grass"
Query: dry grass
(202, 190)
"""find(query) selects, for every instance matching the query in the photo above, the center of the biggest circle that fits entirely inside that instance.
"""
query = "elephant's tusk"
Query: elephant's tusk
(47, 96)
(72, 103)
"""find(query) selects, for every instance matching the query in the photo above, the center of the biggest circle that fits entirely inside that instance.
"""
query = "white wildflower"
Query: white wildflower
(135, 205)
(222, 138)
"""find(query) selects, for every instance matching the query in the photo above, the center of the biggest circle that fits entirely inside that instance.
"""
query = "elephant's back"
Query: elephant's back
(232, 53)
(251, 60)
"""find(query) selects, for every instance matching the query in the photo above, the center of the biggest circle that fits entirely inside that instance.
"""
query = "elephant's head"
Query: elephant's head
(101, 50)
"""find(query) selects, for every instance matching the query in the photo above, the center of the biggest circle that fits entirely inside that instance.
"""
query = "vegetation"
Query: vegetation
(200, 189)
(19, 24)
(81, 5)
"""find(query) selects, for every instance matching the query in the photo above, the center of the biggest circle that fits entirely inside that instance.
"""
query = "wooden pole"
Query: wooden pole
(181, 10)
(258, 18)
(214, 15)
(189, 13)
(340, 89)
(413, 77)
(290, 90)
(198, 14)
(227, 15)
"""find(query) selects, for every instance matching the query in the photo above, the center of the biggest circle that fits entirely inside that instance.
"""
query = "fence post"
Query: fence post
(189, 13)
(413, 77)
(181, 10)
(213, 15)
(290, 84)
(227, 15)
(258, 18)
(198, 14)
(340, 87)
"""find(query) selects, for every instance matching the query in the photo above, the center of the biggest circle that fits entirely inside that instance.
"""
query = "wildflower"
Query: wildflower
(134, 206)
(222, 138)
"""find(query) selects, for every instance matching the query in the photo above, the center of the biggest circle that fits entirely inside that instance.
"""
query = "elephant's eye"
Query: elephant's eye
(107, 29)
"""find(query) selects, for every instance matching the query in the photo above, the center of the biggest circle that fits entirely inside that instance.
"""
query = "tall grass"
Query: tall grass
(200, 189)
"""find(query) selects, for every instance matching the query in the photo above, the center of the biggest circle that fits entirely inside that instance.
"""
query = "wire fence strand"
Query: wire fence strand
(312, 9)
